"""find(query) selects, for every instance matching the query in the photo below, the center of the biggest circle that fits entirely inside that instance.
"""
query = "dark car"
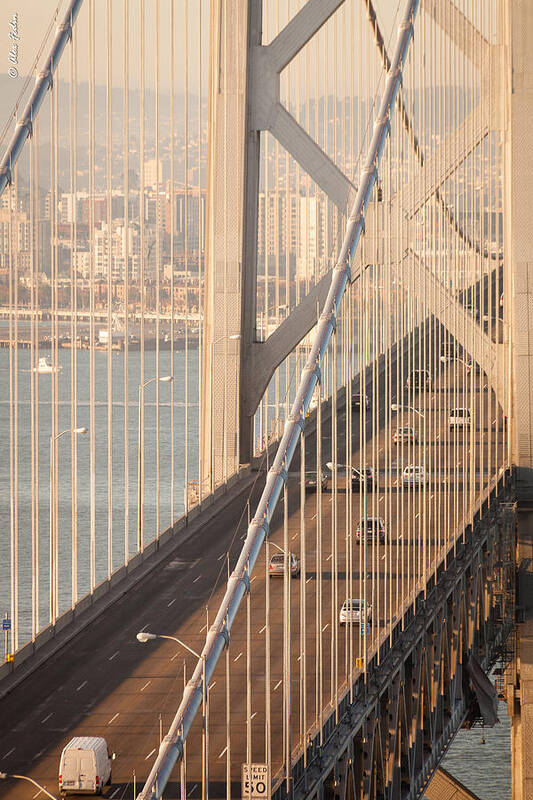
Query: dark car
(374, 527)
(312, 479)
(358, 475)
(359, 401)
(419, 379)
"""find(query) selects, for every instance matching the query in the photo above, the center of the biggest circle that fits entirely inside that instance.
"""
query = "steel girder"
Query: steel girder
(388, 740)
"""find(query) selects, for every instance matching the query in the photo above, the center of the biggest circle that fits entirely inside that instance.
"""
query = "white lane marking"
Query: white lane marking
(192, 790)
(236, 659)
(295, 535)
(383, 556)
(314, 516)
(253, 715)
(278, 684)
(48, 717)
(400, 536)
(114, 793)
(113, 656)
(197, 579)
(263, 629)
(417, 515)
(144, 627)
(150, 754)
(309, 579)
(203, 629)
(432, 496)
(224, 750)
(174, 656)
(253, 579)
(325, 626)
(438, 435)
(171, 603)
(113, 718)
(329, 557)
(37, 795)
(213, 684)
(221, 556)
(145, 685)
(381, 498)
(81, 686)
(13, 750)
(380, 450)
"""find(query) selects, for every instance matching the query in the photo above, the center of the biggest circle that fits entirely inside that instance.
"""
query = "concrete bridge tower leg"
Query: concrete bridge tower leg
(517, 109)
(231, 240)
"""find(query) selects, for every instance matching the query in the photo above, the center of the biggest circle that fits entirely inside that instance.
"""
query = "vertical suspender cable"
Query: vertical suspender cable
(129, 260)
(110, 278)
(92, 365)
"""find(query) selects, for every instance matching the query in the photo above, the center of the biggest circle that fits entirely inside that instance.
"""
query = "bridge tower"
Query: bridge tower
(244, 99)
(517, 107)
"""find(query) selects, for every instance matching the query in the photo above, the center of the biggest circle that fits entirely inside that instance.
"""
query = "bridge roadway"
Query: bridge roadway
(105, 683)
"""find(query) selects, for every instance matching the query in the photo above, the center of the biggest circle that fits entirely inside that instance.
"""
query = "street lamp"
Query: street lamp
(145, 636)
(140, 458)
(396, 407)
(467, 364)
(54, 551)
(4, 775)
(233, 337)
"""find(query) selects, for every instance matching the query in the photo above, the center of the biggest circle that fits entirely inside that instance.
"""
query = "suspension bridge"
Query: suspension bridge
(306, 224)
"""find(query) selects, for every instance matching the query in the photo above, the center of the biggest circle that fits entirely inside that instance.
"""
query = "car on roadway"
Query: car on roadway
(359, 476)
(353, 610)
(415, 475)
(276, 565)
(459, 418)
(360, 401)
(419, 379)
(313, 478)
(372, 527)
(405, 434)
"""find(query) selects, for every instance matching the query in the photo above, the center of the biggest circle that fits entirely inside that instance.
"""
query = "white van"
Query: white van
(85, 766)
(459, 418)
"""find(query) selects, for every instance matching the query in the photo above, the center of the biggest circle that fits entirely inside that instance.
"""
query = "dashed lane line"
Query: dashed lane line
(197, 579)
(145, 685)
(113, 718)
(150, 754)
(192, 790)
(263, 629)
(81, 686)
(278, 684)
(113, 656)
(171, 603)
(224, 750)
(9, 752)
(237, 658)
(47, 718)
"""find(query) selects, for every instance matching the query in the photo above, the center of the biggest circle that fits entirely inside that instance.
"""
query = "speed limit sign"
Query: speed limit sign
(255, 782)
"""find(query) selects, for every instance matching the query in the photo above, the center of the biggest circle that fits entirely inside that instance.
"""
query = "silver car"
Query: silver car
(276, 566)
(354, 611)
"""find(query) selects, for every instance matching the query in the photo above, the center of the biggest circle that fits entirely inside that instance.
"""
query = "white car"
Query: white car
(414, 475)
(406, 434)
(459, 418)
(354, 611)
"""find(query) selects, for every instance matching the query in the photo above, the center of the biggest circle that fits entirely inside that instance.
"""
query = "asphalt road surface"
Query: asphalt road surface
(106, 683)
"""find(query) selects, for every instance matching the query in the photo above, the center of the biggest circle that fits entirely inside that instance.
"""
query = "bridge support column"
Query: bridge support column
(244, 99)
(231, 239)
(517, 102)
